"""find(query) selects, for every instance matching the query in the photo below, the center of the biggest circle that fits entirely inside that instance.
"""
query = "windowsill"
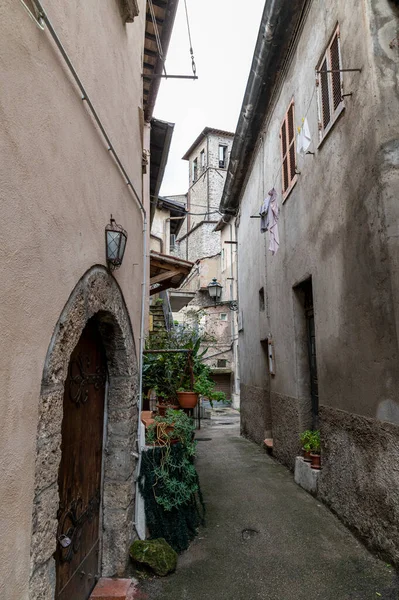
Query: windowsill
(326, 132)
(289, 190)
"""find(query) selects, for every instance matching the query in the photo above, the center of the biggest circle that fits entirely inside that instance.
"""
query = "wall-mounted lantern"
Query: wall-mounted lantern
(115, 244)
(215, 292)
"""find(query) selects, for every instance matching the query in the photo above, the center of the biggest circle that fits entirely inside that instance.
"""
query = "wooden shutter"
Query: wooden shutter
(287, 135)
(330, 85)
(335, 77)
(325, 95)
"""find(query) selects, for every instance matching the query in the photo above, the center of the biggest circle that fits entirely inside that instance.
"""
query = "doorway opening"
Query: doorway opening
(306, 346)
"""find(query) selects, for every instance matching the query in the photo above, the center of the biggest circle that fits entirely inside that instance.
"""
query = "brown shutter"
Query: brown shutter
(335, 77)
(325, 95)
(291, 142)
(283, 134)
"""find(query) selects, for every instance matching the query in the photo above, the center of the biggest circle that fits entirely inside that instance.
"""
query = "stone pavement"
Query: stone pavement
(265, 538)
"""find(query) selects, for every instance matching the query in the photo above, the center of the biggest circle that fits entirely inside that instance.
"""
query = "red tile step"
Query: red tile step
(114, 589)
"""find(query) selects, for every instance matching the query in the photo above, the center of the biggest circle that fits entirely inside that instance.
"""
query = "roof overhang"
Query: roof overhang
(177, 213)
(161, 137)
(165, 13)
(277, 34)
(167, 272)
(204, 133)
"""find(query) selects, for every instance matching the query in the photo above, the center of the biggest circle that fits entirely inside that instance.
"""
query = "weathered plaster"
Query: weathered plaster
(339, 225)
(58, 187)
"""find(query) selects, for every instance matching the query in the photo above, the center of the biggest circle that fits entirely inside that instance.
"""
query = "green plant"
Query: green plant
(176, 480)
(306, 439)
(170, 372)
(315, 442)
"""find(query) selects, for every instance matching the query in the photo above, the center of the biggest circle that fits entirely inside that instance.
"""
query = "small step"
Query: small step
(114, 589)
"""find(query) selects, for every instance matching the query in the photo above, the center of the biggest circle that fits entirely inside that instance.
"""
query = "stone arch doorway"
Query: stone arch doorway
(97, 300)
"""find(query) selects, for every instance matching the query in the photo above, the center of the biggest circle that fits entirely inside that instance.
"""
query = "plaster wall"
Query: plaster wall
(161, 228)
(58, 187)
(339, 225)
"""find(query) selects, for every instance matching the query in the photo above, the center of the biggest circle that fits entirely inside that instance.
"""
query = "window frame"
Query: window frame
(224, 161)
(195, 169)
(334, 112)
(286, 156)
(202, 160)
(223, 315)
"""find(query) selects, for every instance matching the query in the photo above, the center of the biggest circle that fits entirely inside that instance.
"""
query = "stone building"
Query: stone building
(76, 116)
(208, 159)
(204, 240)
(326, 305)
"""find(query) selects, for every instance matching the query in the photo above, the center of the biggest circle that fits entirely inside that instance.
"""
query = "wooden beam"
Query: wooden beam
(163, 276)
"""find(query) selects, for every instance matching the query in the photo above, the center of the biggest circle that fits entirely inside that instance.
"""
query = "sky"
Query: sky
(223, 34)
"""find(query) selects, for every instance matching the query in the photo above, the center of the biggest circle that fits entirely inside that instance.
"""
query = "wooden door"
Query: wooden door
(79, 480)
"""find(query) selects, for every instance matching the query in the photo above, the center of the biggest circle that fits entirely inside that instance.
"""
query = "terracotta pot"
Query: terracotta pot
(187, 399)
(316, 461)
(306, 455)
(162, 408)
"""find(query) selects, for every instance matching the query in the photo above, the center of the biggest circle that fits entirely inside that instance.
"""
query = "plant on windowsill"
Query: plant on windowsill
(306, 441)
(315, 451)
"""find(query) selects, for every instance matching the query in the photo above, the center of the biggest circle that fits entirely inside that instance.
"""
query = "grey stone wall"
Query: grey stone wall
(359, 479)
(96, 295)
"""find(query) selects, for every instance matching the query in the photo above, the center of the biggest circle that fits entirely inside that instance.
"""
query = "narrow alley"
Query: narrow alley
(265, 538)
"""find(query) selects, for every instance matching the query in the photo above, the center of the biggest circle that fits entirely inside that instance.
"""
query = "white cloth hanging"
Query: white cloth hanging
(273, 222)
(269, 212)
(304, 138)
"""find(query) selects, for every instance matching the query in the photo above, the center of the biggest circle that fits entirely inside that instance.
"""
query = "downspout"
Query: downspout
(128, 182)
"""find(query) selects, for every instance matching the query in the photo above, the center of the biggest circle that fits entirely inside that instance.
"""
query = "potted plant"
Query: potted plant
(315, 451)
(306, 441)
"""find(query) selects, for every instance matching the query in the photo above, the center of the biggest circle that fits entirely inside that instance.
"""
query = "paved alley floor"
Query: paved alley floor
(265, 538)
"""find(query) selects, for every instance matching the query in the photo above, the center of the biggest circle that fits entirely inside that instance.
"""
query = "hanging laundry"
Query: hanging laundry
(264, 211)
(304, 138)
(269, 212)
(273, 220)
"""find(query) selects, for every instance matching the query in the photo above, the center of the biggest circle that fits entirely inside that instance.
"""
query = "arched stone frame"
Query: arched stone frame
(98, 295)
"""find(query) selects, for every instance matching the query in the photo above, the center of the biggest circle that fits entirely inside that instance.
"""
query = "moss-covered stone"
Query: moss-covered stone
(156, 554)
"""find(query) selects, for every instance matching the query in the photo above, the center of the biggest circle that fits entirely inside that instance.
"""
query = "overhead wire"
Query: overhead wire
(193, 65)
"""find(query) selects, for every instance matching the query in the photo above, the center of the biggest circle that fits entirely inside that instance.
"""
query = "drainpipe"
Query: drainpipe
(85, 97)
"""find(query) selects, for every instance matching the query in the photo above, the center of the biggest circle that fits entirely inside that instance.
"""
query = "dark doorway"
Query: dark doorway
(78, 544)
(311, 344)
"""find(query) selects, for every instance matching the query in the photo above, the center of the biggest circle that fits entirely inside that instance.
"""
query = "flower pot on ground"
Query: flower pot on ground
(315, 451)
(316, 461)
(187, 399)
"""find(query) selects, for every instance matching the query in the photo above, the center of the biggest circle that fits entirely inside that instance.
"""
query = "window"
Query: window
(222, 363)
(222, 156)
(195, 169)
(223, 316)
(202, 160)
(329, 84)
(287, 137)
(172, 241)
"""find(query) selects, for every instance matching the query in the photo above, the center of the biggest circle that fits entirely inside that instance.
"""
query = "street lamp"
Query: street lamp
(215, 292)
(115, 244)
